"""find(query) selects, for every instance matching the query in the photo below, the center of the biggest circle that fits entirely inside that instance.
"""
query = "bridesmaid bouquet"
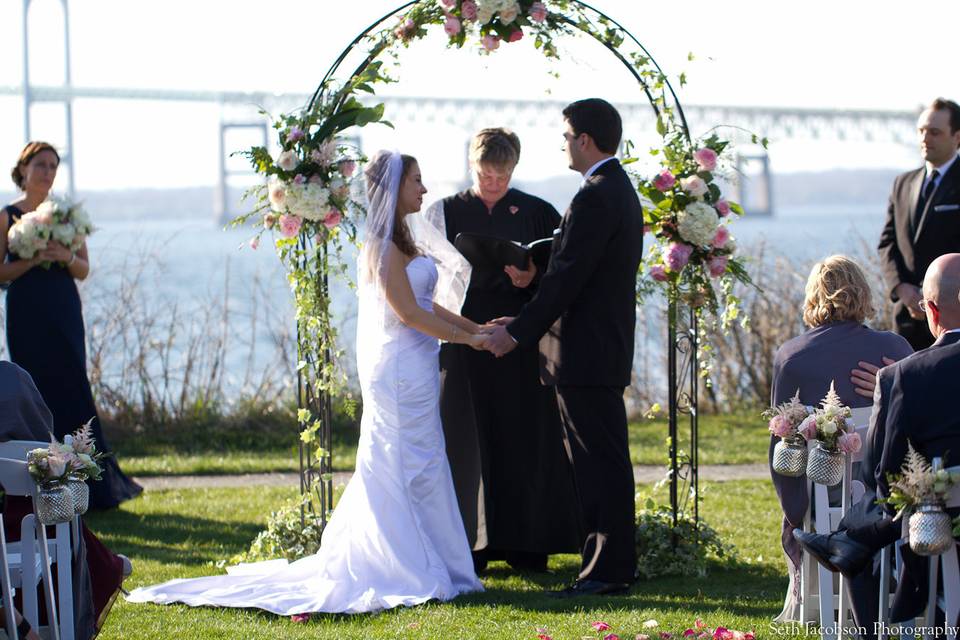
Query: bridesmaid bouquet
(57, 219)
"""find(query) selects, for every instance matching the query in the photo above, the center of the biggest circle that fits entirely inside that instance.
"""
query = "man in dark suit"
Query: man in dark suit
(923, 218)
(915, 400)
(586, 306)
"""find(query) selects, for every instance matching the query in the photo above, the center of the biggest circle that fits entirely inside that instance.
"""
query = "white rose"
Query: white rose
(697, 223)
(277, 194)
(63, 233)
(830, 428)
(694, 185)
(287, 160)
(485, 10)
(509, 12)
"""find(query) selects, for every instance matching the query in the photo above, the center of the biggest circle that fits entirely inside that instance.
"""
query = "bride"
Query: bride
(396, 537)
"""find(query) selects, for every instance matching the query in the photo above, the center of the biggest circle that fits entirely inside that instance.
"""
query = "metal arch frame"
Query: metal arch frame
(682, 376)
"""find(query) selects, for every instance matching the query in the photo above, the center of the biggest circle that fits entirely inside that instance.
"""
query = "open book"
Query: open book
(489, 252)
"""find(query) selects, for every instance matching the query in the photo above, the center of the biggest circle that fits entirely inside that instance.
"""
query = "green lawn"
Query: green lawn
(182, 533)
(725, 439)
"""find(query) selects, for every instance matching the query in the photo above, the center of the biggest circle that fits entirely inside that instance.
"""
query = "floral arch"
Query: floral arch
(313, 201)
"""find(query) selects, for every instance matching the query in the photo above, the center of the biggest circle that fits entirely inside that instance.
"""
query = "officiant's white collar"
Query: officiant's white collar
(592, 169)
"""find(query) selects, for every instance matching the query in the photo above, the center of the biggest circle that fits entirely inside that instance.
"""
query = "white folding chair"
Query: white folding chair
(948, 600)
(10, 621)
(30, 559)
(820, 600)
(17, 450)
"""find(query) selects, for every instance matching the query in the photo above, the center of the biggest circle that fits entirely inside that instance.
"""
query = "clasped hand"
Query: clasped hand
(496, 340)
(55, 252)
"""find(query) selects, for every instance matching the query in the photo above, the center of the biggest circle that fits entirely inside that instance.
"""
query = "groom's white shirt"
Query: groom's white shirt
(592, 169)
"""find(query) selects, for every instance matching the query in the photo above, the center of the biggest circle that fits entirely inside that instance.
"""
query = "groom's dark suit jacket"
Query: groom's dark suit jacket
(912, 239)
(587, 297)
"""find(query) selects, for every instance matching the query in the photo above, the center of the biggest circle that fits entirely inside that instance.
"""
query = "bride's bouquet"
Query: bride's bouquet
(57, 219)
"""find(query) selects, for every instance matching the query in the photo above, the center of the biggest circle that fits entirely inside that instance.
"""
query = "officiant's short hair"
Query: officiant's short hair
(495, 147)
(837, 291)
(598, 119)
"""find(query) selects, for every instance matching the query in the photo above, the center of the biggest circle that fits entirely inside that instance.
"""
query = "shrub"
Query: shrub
(695, 545)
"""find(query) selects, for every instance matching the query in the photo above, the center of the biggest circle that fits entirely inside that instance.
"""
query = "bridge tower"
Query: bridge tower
(66, 155)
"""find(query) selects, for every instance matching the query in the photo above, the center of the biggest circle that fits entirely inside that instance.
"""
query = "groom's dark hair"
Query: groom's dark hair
(598, 119)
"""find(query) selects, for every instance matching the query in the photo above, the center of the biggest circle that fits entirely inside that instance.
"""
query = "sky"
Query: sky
(817, 54)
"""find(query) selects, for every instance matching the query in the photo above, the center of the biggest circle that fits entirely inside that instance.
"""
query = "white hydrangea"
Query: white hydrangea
(697, 224)
(486, 9)
(28, 235)
(308, 200)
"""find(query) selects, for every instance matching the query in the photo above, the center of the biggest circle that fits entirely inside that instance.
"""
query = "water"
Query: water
(210, 276)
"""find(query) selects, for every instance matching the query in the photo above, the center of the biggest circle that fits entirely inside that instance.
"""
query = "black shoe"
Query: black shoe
(479, 561)
(527, 561)
(837, 552)
(590, 588)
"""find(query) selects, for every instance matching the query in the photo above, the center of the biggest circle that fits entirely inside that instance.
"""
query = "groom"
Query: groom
(586, 306)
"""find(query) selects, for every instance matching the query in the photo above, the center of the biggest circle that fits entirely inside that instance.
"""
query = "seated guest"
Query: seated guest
(915, 400)
(836, 304)
(97, 572)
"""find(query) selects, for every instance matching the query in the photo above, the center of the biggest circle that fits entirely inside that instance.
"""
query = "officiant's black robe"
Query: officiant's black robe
(502, 427)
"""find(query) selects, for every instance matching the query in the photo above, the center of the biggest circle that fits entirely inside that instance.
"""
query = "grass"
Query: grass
(182, 533)
(739, 438)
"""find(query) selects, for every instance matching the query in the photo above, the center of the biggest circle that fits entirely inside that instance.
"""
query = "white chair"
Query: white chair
(30, 559)
(948, 600)
(10, 621)
(820, 599)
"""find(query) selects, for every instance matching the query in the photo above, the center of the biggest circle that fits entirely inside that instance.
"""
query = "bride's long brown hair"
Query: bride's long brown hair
(401, 232)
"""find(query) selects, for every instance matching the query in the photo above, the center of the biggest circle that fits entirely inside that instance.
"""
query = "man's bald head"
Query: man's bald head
(941, 286)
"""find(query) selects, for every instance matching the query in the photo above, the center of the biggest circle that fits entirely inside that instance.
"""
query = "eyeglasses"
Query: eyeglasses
(925, 304)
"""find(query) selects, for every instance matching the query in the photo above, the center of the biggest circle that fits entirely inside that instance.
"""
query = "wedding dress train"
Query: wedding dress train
(396, 537)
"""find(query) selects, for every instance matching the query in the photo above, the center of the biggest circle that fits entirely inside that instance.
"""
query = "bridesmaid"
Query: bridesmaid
(45, 333)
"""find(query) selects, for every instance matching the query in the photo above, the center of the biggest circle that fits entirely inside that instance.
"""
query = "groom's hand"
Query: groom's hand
(500, 342)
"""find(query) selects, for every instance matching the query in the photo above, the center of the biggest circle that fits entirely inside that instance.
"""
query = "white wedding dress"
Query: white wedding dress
(396, 536)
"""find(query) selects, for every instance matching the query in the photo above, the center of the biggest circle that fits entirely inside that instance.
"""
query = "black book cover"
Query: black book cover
(490, 252)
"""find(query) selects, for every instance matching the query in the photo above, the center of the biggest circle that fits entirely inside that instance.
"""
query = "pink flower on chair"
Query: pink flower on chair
(849, 442)
(780, 426)
(808, 428)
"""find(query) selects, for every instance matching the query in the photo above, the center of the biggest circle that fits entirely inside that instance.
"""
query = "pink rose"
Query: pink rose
(706, 159)
(451, 26)
(515, 35)
(448, 3)
(491, 42)
(658, 273)
(780, 426)
(723, 207)
(719, 240)
(347, 167)
(296, 133)
(468, 10)
(332, 219)
(538, 12)
(277, 194)
(694, 185)
(254, 242)
(289, 225)
(664, 181)
(808, 428)
(600, 626)
(849, 442)
(717, 265)
(678, 255)
(287, 160)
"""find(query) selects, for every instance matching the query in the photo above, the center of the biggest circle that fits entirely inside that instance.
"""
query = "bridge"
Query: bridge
(240, 110)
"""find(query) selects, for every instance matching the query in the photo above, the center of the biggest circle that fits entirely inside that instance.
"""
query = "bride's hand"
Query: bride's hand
(476, 340)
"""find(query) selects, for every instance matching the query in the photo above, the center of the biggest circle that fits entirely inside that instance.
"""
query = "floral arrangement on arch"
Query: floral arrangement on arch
(831, 425)
(695, 252)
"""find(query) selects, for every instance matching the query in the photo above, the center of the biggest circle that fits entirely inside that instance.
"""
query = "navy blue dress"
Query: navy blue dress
(45, 336)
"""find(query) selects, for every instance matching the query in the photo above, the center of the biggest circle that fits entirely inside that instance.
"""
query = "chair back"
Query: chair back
(17, 449)
(861, 416)
(15, 478)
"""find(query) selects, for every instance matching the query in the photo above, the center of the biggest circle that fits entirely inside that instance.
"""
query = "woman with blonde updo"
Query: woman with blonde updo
(503, 432)
(837, 348)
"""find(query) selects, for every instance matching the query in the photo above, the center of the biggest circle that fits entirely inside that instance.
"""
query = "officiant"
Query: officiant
(502, 427)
